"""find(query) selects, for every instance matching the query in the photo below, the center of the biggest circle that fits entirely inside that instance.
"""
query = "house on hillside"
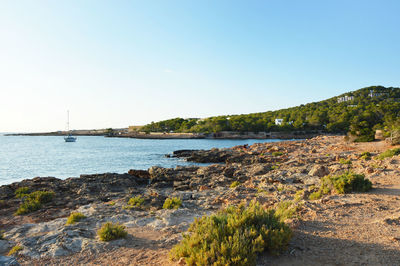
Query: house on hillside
(345, 98)
(373, 94)
(278, 121)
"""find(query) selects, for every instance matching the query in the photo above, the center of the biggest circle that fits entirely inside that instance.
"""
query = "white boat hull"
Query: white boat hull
(69, 139)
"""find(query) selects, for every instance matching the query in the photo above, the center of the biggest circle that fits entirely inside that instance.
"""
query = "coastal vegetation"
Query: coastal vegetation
(21, 192)
(359, 114)
(341, 184)
(277, 153)
(344, 161)
(110, 231)
(135, 202)
(366, 156)
(33, 201)
(75, 217)
(15, 249)
(234, 184)
(2, 235)
(233, 236)
(172, 203)
(389, 153)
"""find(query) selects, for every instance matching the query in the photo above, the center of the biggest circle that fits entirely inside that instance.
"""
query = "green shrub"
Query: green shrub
(274, 167)
(280, 188)
(345, 183)
(299, 195)
(233, 236)
(28, 206)
(136, 201)
(21, 192)
(41, 196)
(172, 203)
(366, 156)
(365, 138)
(315, 195)
(277, 153)
(235, 184)
(389, 153)
(110, 231)
(33, 201)
(343, 161)
(75, 217)
(14, 250)
(285, 210)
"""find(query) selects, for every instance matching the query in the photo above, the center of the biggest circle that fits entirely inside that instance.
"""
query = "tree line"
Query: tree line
(370, 108)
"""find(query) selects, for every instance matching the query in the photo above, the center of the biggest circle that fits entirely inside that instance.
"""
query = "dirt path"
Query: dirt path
(352, 229)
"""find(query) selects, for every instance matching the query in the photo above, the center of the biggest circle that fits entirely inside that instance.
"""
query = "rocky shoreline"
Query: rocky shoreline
(269, 173)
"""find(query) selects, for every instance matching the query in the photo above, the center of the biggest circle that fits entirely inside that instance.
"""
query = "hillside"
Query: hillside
(359, 112)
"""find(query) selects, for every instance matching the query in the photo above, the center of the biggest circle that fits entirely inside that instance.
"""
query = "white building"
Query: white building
(373, 94)
(345, 99)
(278, 121)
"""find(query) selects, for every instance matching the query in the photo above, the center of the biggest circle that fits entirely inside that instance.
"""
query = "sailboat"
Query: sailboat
(69, 137)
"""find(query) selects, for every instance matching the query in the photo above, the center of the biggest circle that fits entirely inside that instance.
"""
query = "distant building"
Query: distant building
(373, 94)
(345, 98)
(278, 121)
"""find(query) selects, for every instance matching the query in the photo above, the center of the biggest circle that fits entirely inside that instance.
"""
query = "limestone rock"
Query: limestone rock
(319, 170)
(8, 261)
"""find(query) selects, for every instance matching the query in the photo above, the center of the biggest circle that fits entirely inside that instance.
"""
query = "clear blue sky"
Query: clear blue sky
(119, 63)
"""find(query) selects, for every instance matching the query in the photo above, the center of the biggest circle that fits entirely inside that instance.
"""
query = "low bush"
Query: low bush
(299, 195)
(389, 153)
(172, 203)
(28, 206)
(233, 236)
(41, 196)
(234, 184)
(274, 167)
(315, 195)
(342, 184)
(277, 153)
(21, 192)
(33, 201)
(285, 210)
(365, 138)
(135, 202)
(366, 156)
(343, 161)
(14, 250)
(110, 231)
(75, 217)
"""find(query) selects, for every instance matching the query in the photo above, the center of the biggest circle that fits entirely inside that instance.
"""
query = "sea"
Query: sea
(24, 157)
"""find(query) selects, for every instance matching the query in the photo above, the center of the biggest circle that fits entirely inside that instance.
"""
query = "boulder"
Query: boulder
(4, 246)
(8, 261)
(319, 170)
(139, 173)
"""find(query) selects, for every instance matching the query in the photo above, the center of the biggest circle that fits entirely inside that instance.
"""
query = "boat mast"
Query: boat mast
(68, 121)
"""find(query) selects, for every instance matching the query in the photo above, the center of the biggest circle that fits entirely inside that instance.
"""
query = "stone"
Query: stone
(8, 261)
(319, 170)
(4, 246)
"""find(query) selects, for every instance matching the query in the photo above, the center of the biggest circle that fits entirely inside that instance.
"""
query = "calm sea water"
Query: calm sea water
(27, 157)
